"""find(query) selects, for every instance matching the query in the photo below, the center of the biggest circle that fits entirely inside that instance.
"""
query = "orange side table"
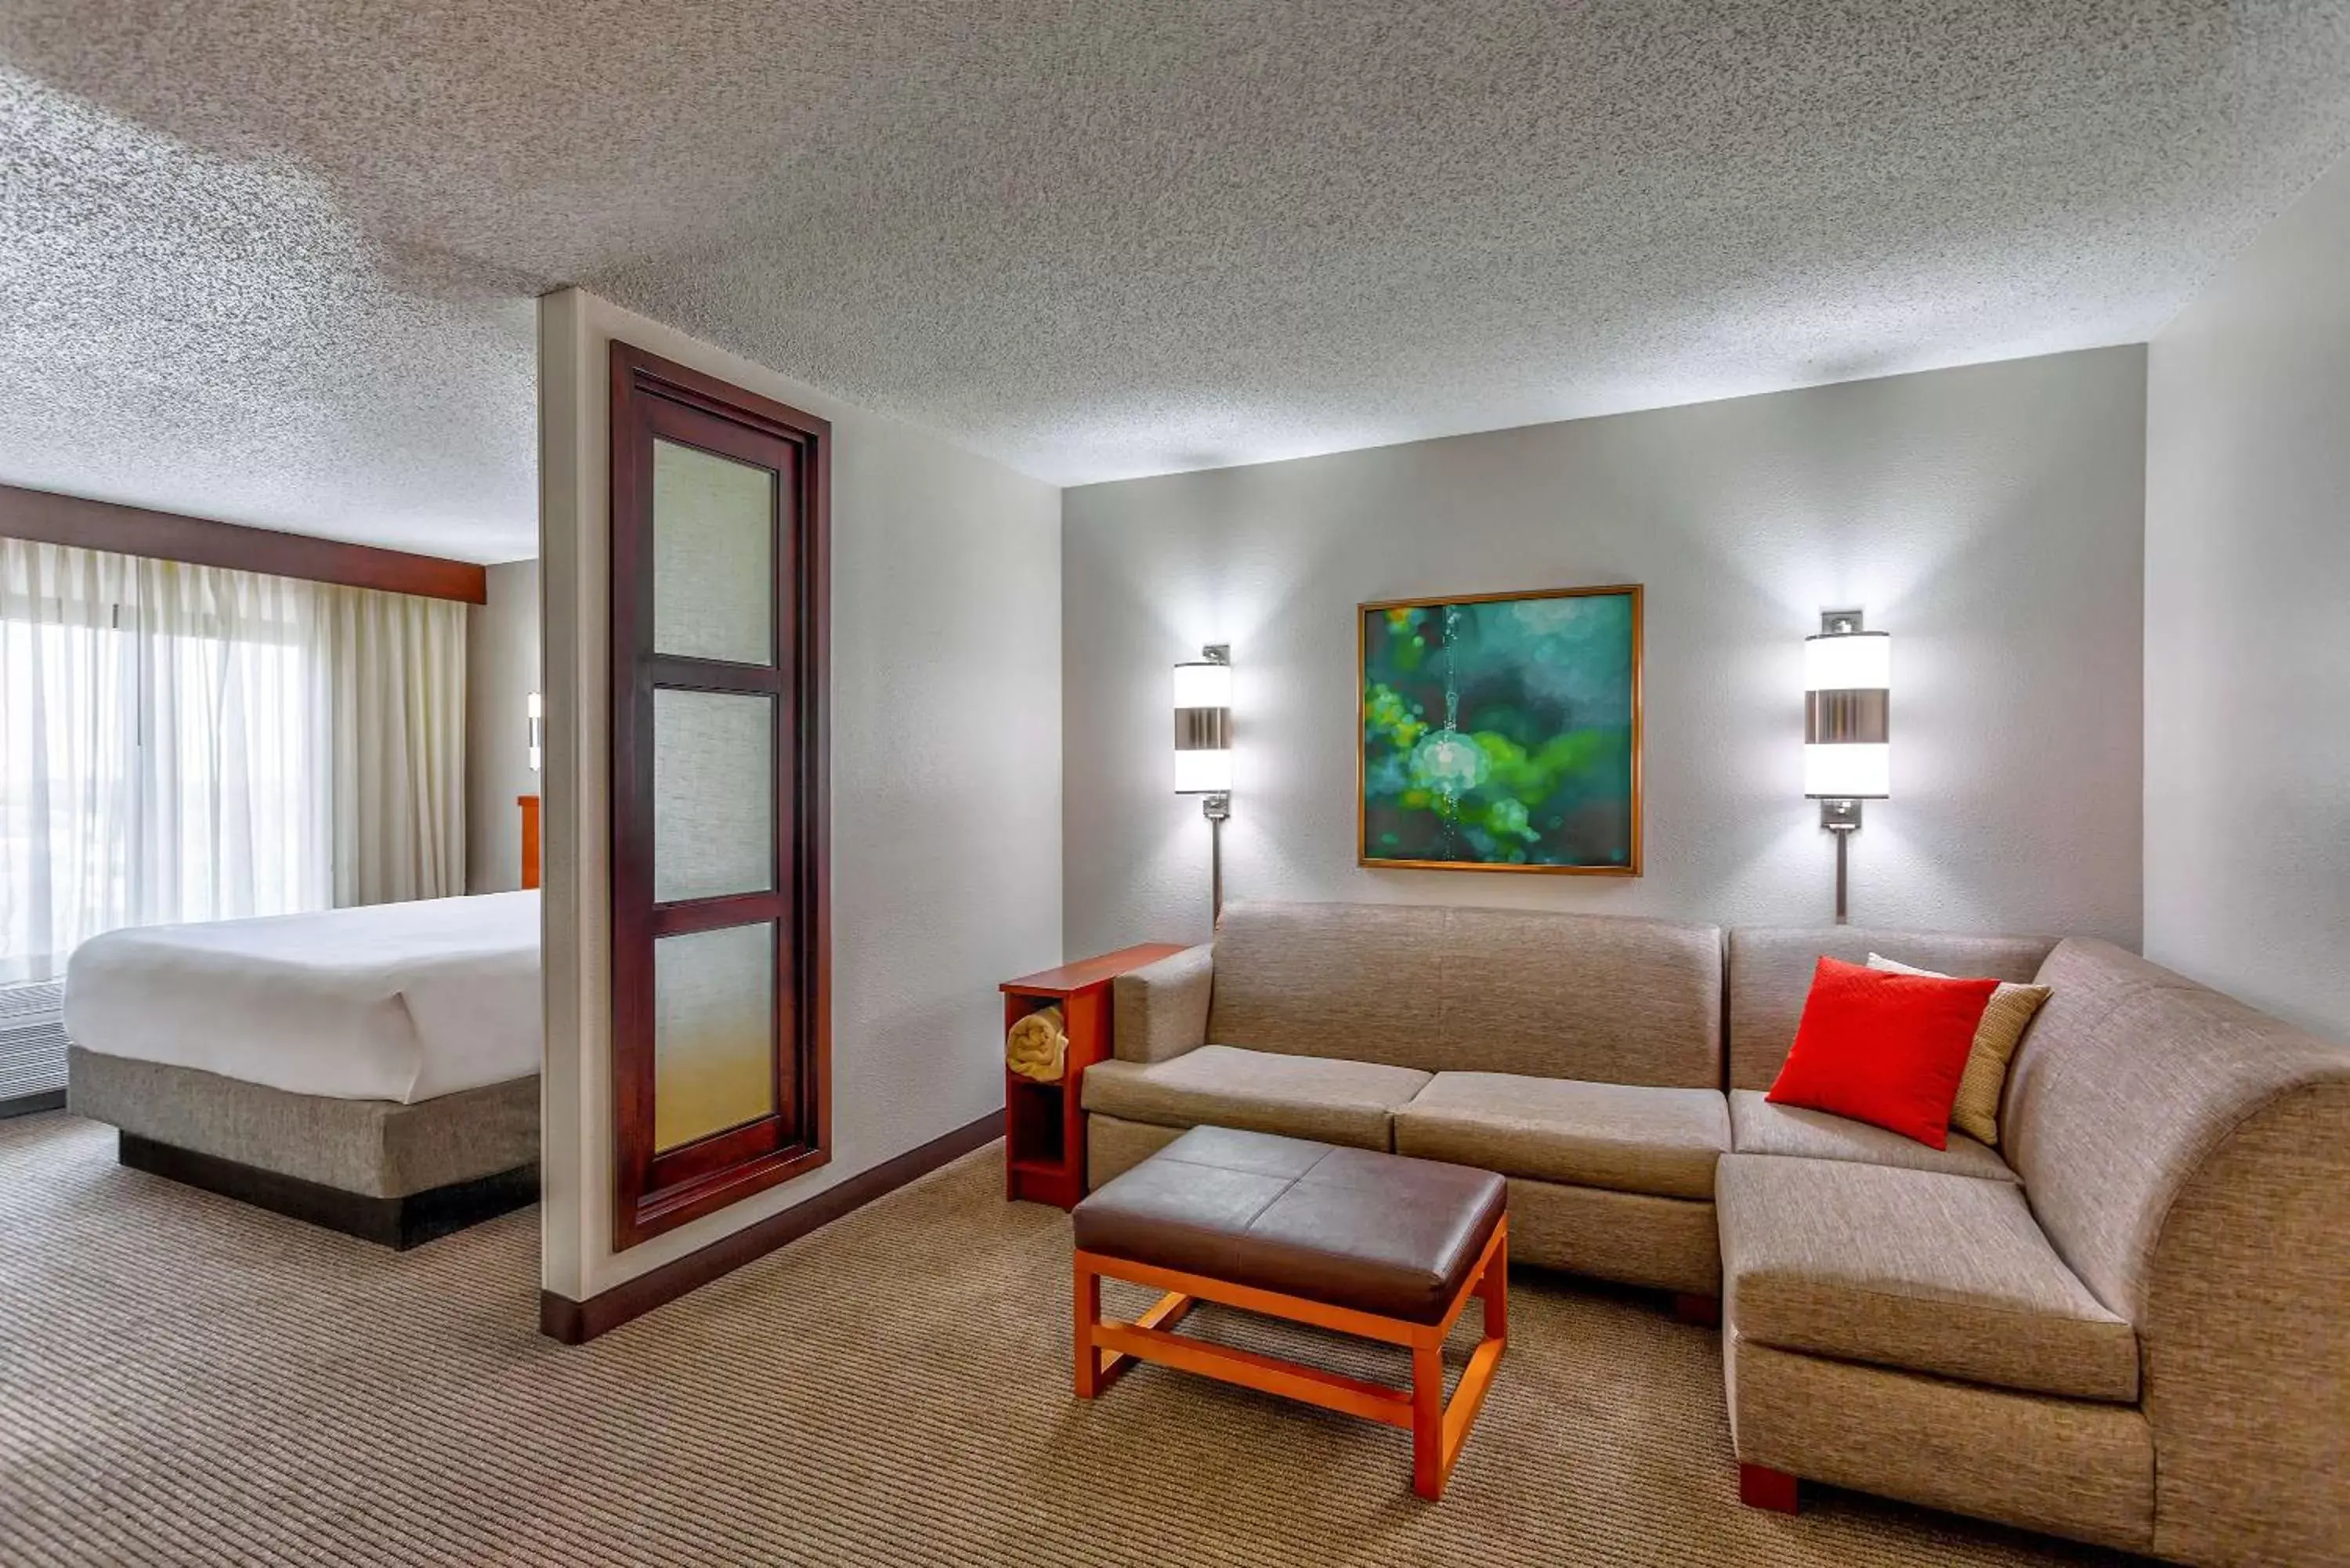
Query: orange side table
(1045, 1124)
(529, 804)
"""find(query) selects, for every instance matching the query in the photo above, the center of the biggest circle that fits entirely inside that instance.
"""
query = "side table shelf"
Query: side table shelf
(1045, 1124)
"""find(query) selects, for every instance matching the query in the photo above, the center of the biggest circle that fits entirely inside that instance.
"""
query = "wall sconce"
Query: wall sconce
(1848, 749)
(1203, 750)
(537, 730)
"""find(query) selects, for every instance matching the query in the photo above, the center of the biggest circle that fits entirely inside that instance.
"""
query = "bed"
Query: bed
(373, 1070)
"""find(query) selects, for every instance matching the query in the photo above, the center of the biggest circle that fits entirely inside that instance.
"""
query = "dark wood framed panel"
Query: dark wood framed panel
(55, 519)
(721, 940)
(399, 1223)
(576, 1322)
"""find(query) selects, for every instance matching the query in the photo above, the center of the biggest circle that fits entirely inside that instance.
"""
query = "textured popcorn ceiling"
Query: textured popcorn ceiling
(271, 260)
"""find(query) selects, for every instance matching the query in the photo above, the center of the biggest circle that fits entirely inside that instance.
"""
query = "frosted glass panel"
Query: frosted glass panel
(714, 795)
(714, 1031)
(713, 569)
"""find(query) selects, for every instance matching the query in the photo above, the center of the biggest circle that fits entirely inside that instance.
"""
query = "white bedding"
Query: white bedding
(393, 1002)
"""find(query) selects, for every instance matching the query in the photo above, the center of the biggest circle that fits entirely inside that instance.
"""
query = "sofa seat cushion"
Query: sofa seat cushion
(1758, 1126)
(1912, 1269)
(1661, 1142)
(1257, 1091)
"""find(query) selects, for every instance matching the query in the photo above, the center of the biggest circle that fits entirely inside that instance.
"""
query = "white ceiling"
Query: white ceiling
(271, 260)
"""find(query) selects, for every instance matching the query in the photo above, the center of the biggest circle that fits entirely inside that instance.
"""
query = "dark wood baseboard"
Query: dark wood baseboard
(399, 1223)
(31, 1104)
(576, 1322)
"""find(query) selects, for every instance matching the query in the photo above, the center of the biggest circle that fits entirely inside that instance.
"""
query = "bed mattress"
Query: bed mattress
(403, 1002)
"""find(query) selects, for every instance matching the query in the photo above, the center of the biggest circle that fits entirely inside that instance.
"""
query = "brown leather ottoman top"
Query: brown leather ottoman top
(1346, 1227)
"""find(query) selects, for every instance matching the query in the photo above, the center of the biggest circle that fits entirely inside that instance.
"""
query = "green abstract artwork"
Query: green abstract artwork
(1503, 732)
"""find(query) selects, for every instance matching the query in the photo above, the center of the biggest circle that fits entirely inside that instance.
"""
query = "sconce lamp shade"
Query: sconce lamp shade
(1849, 661)
(1203, 772)
(1203, 686)
(1204, 728)
(1851, 771)
(1849, 687)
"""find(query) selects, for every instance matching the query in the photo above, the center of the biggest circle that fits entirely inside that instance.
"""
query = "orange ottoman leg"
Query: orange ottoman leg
(1428, 1421)
(1088, 1295)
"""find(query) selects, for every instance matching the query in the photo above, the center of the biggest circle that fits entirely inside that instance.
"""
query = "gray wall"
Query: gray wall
(2248, 623)
(501, 672)
(1990, 517)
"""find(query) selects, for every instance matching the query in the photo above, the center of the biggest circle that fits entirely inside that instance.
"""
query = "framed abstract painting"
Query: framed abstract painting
(1502, 733)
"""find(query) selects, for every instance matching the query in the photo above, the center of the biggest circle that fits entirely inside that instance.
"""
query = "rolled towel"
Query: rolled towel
(1037, 1045)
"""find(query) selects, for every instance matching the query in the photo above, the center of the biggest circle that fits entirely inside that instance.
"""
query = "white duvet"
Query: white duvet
(393, 1002)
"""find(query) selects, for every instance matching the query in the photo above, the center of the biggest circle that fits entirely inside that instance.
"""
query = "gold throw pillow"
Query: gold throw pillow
(2007, 1014)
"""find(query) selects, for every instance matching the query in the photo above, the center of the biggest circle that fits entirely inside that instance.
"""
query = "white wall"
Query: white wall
(501, 672)
(946, 759)
(1990, 518)
(2248, 623)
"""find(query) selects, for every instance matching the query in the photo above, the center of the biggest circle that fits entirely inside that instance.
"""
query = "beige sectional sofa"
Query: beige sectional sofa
(1579, 1057)
(2128, 1324)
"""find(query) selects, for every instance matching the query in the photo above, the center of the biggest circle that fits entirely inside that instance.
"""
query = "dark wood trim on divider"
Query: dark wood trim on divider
(576, 1322)
(399, 1223)
(51, 518)
(656, 401)
(33, 1104)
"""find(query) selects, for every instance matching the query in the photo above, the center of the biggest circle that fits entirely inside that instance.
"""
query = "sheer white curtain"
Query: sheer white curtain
(160, 754)
(184, 743)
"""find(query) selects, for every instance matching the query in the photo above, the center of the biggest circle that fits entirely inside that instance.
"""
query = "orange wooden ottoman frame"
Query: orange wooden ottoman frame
(1105, 1349)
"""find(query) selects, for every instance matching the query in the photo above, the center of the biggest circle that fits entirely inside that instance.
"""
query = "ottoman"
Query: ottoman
(1366, 1243)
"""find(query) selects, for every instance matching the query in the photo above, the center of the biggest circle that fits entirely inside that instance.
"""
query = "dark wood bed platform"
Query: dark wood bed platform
(399, 1223)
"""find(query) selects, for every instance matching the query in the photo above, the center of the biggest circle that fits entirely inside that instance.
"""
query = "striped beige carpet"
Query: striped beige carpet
(186, 1380)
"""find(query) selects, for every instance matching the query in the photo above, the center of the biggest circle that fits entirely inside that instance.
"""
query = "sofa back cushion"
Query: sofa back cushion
(2127, 1083)
(1771, 973)
(1592, 997)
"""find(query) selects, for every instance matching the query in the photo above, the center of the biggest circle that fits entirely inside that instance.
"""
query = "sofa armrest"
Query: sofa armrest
(1161, 1011)
(2246, 1339)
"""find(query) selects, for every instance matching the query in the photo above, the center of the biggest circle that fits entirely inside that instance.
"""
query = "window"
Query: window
(163, 755)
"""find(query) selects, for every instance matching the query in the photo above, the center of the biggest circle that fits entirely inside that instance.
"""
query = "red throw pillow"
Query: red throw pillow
(1882, 1048)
